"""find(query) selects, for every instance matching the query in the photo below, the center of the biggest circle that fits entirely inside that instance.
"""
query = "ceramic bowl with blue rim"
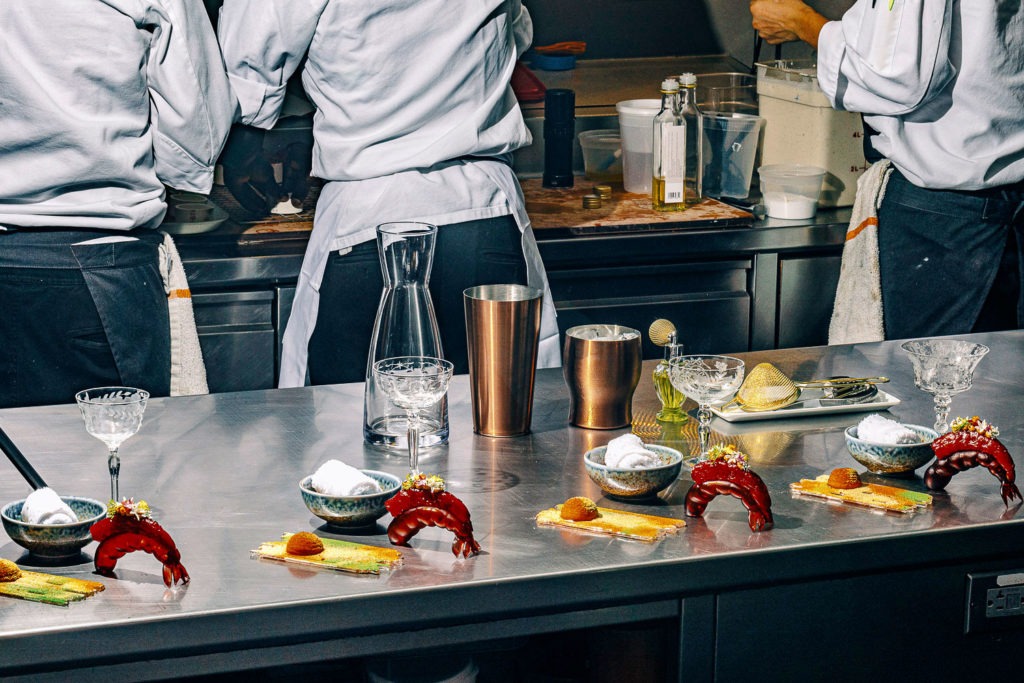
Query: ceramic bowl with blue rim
(351, 511)
(53, 542)
(633, 484)
(894, 460)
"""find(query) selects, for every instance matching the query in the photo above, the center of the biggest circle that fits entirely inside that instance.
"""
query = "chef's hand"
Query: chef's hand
(247, 174)
(783, 21)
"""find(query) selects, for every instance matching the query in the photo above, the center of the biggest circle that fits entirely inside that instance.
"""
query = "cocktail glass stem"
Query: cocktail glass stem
(413, 437)
(114, 465)
(942, 402)
(704, 429)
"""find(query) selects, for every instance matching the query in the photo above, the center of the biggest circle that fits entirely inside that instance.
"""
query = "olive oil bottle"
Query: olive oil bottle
(669, 152)
(689, 112)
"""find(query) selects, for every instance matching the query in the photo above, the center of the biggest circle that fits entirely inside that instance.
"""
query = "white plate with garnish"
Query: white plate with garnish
(809, 408)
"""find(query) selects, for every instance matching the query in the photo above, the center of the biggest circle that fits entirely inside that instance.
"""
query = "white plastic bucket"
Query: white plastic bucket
(636, 125)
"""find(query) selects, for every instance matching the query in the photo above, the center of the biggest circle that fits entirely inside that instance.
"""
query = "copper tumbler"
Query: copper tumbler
(601, 365)
(502, 332)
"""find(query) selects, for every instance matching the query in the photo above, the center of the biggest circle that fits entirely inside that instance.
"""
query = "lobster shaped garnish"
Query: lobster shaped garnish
(128, 527)
(971, 442)
(726, 472)
(423, 502)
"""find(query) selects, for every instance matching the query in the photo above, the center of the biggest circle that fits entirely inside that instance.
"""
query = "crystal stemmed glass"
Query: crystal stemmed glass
(706, 379)
(944, 368)
(413, 383)
(112, 415)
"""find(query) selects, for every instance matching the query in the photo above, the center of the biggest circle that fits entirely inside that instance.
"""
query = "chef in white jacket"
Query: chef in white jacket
(942, 84)
(415, 120)
(102, 104)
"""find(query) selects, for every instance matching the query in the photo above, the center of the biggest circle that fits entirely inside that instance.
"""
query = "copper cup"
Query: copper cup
(502, 332)
(601, 364)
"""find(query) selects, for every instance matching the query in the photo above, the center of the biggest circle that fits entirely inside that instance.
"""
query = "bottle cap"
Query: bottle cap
(603, 191)
(591, 201)
(669, 85)
(687, 79)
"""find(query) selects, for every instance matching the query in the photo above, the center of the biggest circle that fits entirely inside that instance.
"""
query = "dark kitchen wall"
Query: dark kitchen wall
(626, 28)
(656, 28)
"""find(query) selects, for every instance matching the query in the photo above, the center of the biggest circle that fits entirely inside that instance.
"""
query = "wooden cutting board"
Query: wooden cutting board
(562, 208)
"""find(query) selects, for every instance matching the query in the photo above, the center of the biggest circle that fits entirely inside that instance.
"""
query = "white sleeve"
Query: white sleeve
(263, 42)
(886, 57)
(191, 103)
(522, 26)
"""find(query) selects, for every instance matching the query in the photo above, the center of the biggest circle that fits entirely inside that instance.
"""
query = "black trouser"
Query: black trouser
(467, 254)
(76, 316)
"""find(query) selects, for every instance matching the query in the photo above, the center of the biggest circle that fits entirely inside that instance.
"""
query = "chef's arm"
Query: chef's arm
(263, 42)
(522, 26)
(191, 106)
(783, 21)
(888, 57)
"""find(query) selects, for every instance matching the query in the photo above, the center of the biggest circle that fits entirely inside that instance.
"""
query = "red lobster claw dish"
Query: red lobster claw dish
(423, 502)
(971, 442)
(726, 472)
(128, 527)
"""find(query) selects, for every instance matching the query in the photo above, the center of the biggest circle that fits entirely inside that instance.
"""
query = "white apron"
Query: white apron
(356, 208)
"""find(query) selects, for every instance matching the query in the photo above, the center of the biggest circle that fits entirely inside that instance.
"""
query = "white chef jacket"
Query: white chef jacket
(103, 102)
(415, 119)
(942, 81)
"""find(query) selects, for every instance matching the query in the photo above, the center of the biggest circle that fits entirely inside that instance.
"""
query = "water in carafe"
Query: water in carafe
(405, 326)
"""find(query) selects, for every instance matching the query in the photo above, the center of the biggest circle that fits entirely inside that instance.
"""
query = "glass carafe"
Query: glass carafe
(405, 326)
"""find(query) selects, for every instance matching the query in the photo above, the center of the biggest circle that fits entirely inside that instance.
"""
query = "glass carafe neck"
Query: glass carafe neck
(406, 252)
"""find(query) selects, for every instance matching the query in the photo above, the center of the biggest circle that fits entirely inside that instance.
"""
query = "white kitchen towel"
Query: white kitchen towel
(857, 312)
(188, 371)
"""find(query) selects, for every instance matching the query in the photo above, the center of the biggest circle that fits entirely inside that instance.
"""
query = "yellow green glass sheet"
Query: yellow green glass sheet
(340, 556)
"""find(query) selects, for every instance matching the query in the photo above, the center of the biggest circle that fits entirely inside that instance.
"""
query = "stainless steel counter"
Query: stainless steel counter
(222, 472)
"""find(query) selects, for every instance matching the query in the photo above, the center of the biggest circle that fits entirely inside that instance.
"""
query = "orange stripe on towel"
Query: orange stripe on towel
(180, 294)
(872, 220)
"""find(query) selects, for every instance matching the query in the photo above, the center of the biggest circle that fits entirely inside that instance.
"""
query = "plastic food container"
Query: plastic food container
(791, 190)
(636, 124)
(730, 150)
(602, 155)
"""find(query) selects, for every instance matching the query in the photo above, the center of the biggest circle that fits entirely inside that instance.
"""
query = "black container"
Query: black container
(559, 134)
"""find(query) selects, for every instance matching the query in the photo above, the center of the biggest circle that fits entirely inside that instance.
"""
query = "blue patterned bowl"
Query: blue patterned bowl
(631, 484)
(892, 459)
(351, 511)
(54, 541)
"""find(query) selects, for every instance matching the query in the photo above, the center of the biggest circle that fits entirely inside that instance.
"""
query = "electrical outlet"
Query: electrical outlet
(995, 602)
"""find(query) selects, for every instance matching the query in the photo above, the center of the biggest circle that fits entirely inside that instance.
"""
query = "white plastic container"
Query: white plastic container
(602, 155)
(791, 190)
(801, 127)
(636, 125)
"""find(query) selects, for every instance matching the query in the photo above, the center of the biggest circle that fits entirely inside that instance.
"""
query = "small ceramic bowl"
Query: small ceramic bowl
(631, 484)
(54, 541)
(351, 511)
(892, 459)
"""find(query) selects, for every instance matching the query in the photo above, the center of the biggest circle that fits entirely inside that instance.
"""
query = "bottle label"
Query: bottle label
(673, 161)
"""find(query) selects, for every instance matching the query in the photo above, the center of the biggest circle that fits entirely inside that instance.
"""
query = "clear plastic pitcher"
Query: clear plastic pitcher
(730, 149)
(406, 326)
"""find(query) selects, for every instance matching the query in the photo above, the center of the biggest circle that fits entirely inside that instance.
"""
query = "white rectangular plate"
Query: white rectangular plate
(881, 401)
